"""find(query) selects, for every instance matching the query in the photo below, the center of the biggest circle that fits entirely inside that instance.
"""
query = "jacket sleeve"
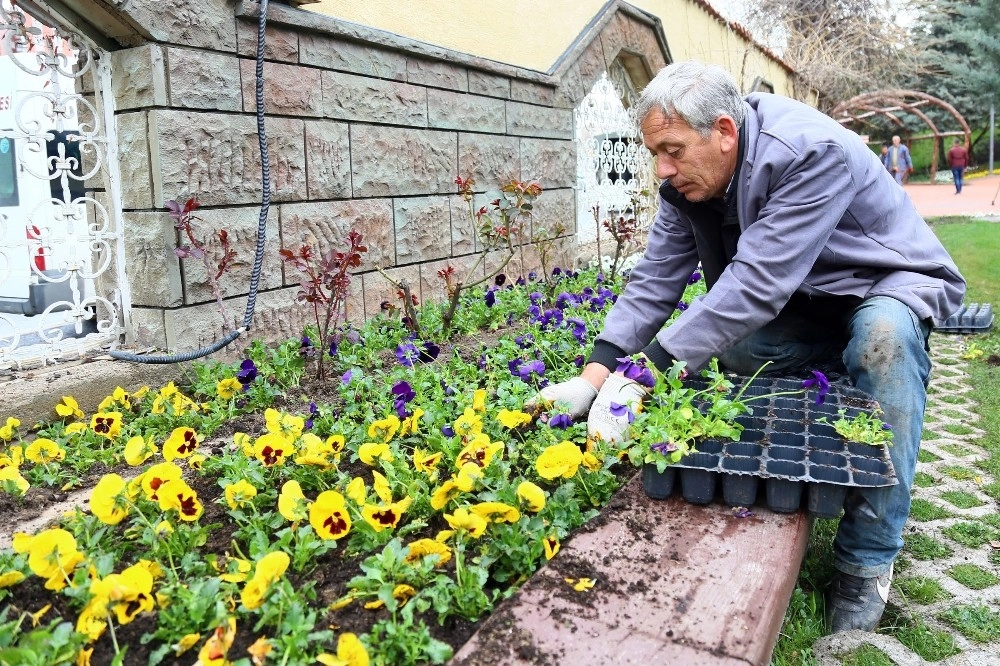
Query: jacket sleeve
(804, 195)
(655, 284)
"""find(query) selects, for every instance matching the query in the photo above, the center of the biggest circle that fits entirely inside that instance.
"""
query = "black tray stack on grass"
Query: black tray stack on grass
(785, 454)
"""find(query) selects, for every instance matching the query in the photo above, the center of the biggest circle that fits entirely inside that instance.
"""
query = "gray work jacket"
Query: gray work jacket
(818, 215)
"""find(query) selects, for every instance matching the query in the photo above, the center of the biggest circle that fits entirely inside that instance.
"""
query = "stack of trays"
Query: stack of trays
(971, 318)
(783, 451)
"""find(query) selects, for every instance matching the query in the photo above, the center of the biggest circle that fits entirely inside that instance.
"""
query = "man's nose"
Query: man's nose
(665, 167)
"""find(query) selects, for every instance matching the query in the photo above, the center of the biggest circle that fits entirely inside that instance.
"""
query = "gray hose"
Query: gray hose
(258, 259)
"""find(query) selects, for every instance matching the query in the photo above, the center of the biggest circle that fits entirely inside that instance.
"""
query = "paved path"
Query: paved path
(978, 197)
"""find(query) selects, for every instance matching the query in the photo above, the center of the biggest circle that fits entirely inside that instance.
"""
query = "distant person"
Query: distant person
(958, 159)
(883, 154)
(897, 160)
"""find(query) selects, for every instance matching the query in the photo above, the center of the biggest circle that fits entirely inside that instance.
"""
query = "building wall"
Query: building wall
(366, 130)
(693, 30)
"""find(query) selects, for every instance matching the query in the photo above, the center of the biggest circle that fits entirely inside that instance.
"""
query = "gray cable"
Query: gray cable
(261, 229)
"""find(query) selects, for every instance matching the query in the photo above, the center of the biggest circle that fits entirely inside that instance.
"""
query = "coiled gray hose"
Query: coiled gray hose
(261, 229)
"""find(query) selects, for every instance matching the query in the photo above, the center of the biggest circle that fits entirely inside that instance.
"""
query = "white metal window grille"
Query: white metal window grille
(614, 170)
(61, 268)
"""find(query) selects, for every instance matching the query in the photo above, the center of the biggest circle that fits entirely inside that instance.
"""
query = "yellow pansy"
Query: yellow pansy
(272, 448)
(215, 650)
(386, 516)
(369, 452)
(561, 459)
(479, 400)
(384, 429)
(228, 388)
(496, 512)
(279, 423)
(513, 419)
(181, 443)
(7, 431)
(239, 493)
(139, 449)
(350, 652)
(106, 424)
(328, 515)
(421, 548)
(43, 450)
(12, 474)
(108, 500)
(68, 408)
(479, 450)
(469, 423)
(531, 495)
(426, 462)
(177, 495)
(117, 398)
(551, 545)
(465, 520)
(356, 490)
(292, 504)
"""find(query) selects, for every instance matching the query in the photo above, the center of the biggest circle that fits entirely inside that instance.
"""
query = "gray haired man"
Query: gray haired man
(812, 255)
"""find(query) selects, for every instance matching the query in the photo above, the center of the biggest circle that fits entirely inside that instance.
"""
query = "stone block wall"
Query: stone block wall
(365, 130)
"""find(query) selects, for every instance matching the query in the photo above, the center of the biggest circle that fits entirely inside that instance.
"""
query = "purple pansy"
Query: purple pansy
(345, 378)
(622, 410)
(429, 351)
(247, 373)
(406, 353)
(682, 306)
(694, 277)
(821, 383)
(403, 393)
(578, 328)
(663, 448)
(447, 430)
(562, 421)
(636, 371)
(490, 298)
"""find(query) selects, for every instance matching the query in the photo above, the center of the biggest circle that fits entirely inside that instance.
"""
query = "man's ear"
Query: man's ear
(729, 133)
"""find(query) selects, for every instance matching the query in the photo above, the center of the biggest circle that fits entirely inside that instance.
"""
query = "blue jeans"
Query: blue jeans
(957, 172)
(884, 348)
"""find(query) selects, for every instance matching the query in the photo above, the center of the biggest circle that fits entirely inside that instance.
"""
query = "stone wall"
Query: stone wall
(365, 130)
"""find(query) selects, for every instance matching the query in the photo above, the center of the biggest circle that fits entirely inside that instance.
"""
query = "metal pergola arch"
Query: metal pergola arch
(892, 102)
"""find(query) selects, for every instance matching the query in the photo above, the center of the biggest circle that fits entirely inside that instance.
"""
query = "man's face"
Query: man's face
(699, 167)
(895, 140)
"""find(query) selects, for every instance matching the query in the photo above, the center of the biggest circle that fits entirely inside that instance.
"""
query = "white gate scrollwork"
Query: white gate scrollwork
(614, 170)
(60, 249)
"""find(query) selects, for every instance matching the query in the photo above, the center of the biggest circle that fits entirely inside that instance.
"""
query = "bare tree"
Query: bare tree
(839, 48)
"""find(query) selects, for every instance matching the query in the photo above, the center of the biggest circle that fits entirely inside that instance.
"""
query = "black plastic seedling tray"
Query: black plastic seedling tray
(784, 453)
(971, 318)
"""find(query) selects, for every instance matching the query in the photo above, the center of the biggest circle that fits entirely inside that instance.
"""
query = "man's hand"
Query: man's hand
(627, 396)
(574, 395)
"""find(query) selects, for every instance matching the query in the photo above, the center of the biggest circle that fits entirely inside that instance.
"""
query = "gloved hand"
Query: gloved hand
(601, 423)
(574, 395)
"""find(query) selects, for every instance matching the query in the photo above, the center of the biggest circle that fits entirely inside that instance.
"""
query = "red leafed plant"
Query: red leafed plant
(215, 252)
(325, 285)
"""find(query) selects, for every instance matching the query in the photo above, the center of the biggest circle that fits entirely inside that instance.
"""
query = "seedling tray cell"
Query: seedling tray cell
(970, 318)
(783, 451)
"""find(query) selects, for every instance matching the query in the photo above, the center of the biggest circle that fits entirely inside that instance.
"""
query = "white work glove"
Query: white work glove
(574, 395)
(602, 424)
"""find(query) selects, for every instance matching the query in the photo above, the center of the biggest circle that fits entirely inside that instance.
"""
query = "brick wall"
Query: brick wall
(365, 130)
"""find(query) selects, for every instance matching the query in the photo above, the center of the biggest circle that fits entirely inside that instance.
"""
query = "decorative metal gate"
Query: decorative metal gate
(615, 175)
(61, 260)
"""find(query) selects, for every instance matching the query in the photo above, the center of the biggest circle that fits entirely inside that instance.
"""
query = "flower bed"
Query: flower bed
(257, 513)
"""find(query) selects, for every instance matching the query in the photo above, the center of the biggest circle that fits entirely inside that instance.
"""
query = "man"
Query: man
(897, 160)
(958, 159)
(811, 253)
